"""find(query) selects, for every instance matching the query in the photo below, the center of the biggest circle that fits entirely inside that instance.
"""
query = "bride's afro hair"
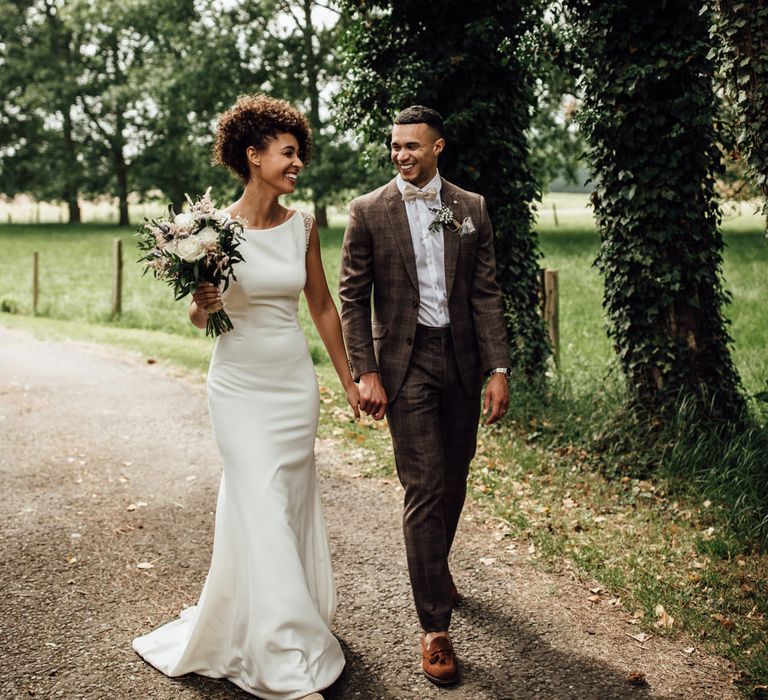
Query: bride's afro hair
(252, 121)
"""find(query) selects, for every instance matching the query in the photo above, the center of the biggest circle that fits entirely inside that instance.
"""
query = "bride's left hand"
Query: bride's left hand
(353, 399)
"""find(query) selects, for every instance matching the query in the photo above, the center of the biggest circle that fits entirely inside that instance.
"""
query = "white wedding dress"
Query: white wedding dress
(262, 618)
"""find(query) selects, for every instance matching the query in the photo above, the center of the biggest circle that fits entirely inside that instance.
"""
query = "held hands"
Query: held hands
(207, 298)
(496, 398)
(373, 398)
(353, 399)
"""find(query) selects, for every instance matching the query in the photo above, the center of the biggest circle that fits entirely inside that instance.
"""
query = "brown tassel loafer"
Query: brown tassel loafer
(438, 662)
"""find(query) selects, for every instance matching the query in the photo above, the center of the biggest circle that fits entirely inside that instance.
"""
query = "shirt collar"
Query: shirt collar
(435, 182)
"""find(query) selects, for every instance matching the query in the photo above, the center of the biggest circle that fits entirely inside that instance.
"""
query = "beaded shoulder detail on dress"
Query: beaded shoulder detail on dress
(307, 228)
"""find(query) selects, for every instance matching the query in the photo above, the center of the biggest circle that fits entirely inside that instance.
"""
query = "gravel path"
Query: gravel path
(109, 478)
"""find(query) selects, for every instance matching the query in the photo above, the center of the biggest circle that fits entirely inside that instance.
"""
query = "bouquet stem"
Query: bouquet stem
(218, 323)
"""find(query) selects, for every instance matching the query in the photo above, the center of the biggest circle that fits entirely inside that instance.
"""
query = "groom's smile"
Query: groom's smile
(415, 148)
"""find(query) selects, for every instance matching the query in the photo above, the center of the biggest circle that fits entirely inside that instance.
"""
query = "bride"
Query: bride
(263, 614)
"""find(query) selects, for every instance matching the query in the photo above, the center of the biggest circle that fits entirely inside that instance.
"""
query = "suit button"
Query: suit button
(415, 304)
(408, 341)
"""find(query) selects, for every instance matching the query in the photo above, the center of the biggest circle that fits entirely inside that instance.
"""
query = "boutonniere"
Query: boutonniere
(444, 216)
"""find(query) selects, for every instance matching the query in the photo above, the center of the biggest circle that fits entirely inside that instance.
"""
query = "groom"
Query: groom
(423, 249)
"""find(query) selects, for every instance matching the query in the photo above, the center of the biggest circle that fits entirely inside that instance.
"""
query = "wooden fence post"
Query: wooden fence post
(552, 311)
(554, 213)
(35, 281)
(117, 277)
(549, 298)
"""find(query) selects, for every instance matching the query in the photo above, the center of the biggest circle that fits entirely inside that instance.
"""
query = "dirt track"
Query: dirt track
(108, 463)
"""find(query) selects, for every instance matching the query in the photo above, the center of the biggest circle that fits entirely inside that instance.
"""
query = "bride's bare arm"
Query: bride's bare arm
(326, 318)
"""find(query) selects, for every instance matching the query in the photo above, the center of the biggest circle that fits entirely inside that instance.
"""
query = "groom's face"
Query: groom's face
(415, 148)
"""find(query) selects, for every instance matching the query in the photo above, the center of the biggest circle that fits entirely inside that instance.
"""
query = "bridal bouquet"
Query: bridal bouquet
(196, 246)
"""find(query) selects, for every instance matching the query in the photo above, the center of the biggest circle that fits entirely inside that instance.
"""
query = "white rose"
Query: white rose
(183, 219)
(190, 249)
(208, 235)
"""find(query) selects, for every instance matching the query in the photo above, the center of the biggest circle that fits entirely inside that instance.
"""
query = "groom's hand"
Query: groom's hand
(496, 398)
(373, 398)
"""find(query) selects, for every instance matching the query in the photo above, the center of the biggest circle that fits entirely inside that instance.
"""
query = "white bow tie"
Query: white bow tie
(410, 193)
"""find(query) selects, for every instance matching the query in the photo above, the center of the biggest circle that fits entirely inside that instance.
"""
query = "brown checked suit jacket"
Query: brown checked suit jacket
(378, 260)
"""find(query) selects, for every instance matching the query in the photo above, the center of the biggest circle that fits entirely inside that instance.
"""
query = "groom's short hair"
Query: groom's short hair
(419, 114)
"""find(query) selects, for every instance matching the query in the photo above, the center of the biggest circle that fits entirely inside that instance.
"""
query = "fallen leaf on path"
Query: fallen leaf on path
(596, 590)
(594, 599)
(636, 678)
(665, 619)
(487, 561)
(689, 650)
(641, 637)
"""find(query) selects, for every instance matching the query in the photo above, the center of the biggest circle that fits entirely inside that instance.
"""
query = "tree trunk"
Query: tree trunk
(121, 167)
(74, 210)
(71, 177)
(321, 215)
(178, 200)
(121, 175)
(312, 68)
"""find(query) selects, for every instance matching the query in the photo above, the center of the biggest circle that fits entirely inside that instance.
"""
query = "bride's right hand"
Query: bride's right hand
(353, 399)
(207, 298)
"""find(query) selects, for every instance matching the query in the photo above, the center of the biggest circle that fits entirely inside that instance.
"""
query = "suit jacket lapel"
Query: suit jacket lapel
(449, 196)
(398, 222)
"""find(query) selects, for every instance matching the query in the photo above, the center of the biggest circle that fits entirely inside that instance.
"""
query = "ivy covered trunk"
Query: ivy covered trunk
(648, 115)
(740, 31)
(460, 59)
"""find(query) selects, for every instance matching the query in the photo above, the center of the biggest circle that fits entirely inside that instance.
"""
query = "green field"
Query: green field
(76, 281)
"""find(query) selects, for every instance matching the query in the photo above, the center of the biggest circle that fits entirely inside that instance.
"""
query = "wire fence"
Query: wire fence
(101, 288)
(23, 210)
(91, 279)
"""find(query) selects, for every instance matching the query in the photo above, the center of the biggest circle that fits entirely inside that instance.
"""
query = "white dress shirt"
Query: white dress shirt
(429, 249)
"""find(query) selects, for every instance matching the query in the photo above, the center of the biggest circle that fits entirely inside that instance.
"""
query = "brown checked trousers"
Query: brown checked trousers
(433, 377)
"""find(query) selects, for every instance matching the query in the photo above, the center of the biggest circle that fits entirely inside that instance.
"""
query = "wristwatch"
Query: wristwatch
(500, 370)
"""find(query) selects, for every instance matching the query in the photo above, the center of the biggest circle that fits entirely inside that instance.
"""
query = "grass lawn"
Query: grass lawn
(647, 544)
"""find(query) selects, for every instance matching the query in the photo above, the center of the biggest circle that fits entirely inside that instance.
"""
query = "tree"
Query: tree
(740, 34)
(554, 139)
(299, 55)
(648, 116)
(39, 75)
(461, 59)
(198, 66)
